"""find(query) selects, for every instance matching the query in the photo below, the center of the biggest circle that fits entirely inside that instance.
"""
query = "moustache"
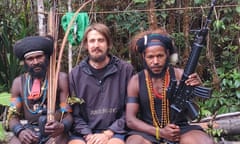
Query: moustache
(96, 50)
(156, 67)
(36, 66)
(39, 74)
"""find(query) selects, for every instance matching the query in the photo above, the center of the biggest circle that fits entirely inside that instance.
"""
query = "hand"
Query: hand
(170, 132)
(193, 80)
(27, 136)
(99, 138)
(54, 128)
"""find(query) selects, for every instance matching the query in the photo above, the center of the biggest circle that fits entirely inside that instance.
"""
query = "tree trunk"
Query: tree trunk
(152, 18)
(211, 58)
(186, 32)
(41, 18)
(229, 123)
(69, 45)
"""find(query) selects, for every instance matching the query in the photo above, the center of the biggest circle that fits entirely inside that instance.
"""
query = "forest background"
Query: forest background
(218, 65)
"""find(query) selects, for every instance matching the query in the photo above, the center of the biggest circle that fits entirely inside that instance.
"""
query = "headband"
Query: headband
(31, 44)
(146, 41)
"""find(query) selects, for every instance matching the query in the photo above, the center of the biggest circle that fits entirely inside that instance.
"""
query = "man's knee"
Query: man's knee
(116, 141)
(76, 141)
(137, 139)
(196, 137)
(14, 140)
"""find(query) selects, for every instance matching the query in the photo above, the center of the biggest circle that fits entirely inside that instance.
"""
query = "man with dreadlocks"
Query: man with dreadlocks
(29, 96)
(148, 112)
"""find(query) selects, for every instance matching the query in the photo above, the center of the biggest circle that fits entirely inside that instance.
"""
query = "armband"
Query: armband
(65, 107)
(11, 112)
(132, 100)
(16, 102)
(67, 125)
(17, 129)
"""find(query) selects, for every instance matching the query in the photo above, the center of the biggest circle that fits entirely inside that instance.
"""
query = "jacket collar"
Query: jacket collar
(112, 67)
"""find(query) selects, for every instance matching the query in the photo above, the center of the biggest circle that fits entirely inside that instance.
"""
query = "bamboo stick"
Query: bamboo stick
(54, 67)
(65, 37)
(51, 74)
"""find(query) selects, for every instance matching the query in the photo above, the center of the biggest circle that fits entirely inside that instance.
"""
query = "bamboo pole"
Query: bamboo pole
(54, 67)
(51, 74)
(53, 24)
(65, 38)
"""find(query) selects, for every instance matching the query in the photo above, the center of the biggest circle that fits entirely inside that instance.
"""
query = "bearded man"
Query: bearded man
(148, 112)
(29, 96)
(100, 81)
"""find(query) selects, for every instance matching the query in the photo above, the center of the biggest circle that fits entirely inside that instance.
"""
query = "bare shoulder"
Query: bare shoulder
(17, 80)
(133, 86)
(63, 80)
(62, 76)
(178, 73)
(134, 79)
(16, 89)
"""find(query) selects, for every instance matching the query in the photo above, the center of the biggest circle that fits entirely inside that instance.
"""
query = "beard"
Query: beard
(156, 75)
(99, 58)
(40, 74)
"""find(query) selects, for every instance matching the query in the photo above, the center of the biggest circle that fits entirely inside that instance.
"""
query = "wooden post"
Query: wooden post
(69, 45)
(41, 18)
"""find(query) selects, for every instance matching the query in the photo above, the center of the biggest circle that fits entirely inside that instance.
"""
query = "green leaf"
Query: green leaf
(237, 83)
(238, 93)
(2, 132)
(219, 25)
(5, 99)
(197, 1)
(140, 1)
(238, 9)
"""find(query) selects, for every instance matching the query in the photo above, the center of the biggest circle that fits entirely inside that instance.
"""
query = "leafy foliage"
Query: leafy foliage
(140, 1)
(127, 17)
(123, 30)
(2, 133)
(5, 99)
(13, 26)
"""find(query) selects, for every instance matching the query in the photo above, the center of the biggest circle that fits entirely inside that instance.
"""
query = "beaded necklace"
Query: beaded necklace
(165, 103)
(43, 94)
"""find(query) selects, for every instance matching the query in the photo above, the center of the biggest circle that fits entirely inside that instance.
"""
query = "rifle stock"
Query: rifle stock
(181, 96)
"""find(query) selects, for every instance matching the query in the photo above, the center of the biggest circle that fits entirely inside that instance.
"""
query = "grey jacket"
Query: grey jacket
(104, 100)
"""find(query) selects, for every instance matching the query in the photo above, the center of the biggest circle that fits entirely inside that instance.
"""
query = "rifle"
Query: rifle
(180, 96)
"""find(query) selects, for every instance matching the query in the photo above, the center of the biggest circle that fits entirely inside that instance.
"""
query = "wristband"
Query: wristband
(157, 133)
(67, 125)
(17, 129)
